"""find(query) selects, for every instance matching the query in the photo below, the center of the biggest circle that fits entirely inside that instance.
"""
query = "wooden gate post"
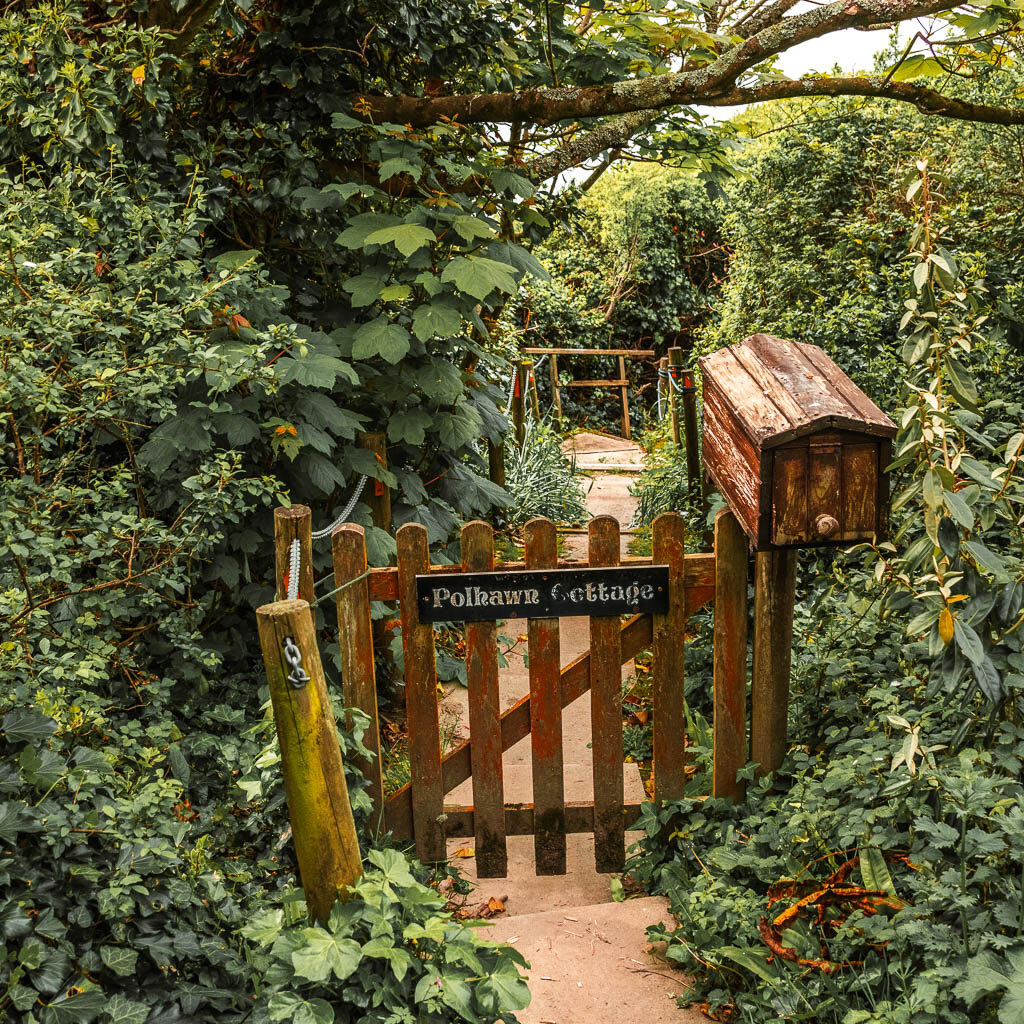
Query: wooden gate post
(774, 597)
(323, 829)
(693, 476)
(291, 524)
(675, 359)
(519, 400)
(626, 432)
(355, 640)
(531, 379)
(730, 656)
(379, 498)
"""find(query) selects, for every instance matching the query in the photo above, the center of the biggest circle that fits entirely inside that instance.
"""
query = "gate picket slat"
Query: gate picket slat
(546, 713)
(730, 656)
(669, 662)
(355, 640)
(606, 709)
(420, 698)
(484, 717)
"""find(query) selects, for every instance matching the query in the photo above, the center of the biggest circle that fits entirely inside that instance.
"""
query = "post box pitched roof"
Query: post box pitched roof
(782, 390)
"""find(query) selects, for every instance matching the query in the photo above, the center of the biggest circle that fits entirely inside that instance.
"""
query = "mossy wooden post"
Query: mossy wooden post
(289, 524)
(519, 400)
(496, 469)
(323, 830)
(693, 474)
(355, 641)
(378, 496)
(774, 596)
(730, 656)
(675, 358)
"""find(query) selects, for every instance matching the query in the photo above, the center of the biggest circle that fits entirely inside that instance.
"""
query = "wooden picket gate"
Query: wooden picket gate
(418, 811)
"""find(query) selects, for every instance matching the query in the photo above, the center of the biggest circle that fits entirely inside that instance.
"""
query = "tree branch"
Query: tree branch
(544, 106)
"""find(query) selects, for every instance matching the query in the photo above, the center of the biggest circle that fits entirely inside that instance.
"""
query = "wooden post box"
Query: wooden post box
(796, 448)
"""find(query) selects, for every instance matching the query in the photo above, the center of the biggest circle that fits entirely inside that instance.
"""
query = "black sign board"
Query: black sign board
(541, 593)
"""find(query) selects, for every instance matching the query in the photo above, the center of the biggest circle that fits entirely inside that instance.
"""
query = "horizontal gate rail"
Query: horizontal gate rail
(520, 818)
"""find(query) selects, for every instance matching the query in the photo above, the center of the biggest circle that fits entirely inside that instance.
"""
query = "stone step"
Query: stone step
(592, 963)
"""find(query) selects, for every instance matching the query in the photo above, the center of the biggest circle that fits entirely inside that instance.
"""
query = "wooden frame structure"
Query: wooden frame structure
(622, 383)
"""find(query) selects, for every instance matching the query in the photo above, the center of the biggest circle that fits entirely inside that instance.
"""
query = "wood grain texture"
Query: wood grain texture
(323, 829)
(621, 382)
(546, 713)
(556, 389)
(519, 401)
(606, 709)
(673, 359)
(290, 523)
(730, 657)
(774, 595)
(669, 662)
(789, 496)
(420, 698)
(634, 353)
(355, 641)
(859, 517)
(485, 716)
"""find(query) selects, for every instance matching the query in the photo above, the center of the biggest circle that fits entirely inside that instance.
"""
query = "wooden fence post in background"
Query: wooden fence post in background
(519, 400)
(774, 596)
(626, 432)
(420, 697)
(693, 477)
(496, 469)
(289, 524)
(730, 656)
(323, 830)
(355, 640)
(541, 552)
(379, 495)
(556, 391)
(669, 663)
(606, 709)
(484, 717)
(675, 358)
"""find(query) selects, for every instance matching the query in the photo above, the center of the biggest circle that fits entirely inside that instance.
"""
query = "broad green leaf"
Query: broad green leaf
(396, 293)
(363, 224)
(874, 871)
(949, 538)
(323, 955)
(985, 557)
(918, 67)
(406, 238)
(365, 288)
(27, 725)
(119, 959)
(751, 959)
(381, 337)
(969, 642)
(472, 228)
(78, 1009)
(264, 928)
(314, 369)
(478, 276)
(932, 489)
(436, 318)
(989, 681)
(978, 472)
(506, 987)
(296, 1010)
(393, 865)
(409, 425)
(123, 1010)
(399, 165)
(457, 994)
(961, 383)
(958, 509)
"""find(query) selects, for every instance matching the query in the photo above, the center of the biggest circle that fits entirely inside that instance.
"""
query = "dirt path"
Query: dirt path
(588, 954)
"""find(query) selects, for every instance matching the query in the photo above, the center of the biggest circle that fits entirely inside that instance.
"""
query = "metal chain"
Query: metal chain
(342, 516)
(294, 565)
(297, 677)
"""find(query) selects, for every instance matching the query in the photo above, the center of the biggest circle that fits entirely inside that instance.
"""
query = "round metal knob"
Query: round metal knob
(826, 525)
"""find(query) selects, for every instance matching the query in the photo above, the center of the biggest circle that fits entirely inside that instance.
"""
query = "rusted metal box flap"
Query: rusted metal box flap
(781, 390)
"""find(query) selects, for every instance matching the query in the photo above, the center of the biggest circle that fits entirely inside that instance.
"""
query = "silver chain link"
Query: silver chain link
(297, 677)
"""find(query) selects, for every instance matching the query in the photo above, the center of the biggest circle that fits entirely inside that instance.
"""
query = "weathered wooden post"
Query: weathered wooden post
(323, 829)
(624, 386)
(291, 524)
(534, 395)
(730, 656)
(356, 643)
(799, 453)
(673, 360)
(519, 400)
(556, 390)
(693, 474)
(379, 498)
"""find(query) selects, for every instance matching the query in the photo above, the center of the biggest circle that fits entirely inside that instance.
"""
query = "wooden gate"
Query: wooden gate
(418, 810)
